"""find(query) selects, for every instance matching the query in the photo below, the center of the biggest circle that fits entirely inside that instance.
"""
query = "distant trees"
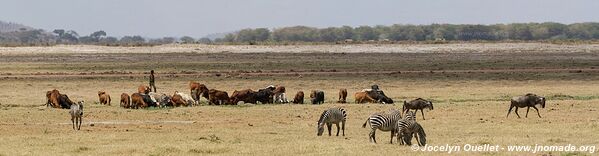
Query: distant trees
(18, 35)
(399, 32)
(187, 40)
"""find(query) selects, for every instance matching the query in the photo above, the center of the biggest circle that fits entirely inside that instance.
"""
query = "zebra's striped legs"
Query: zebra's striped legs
(392, 134)
(372, 135)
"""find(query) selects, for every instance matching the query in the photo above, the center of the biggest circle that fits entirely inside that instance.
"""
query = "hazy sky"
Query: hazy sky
(197, 18)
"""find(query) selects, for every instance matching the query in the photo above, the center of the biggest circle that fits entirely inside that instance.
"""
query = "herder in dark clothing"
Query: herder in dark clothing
(152, 81)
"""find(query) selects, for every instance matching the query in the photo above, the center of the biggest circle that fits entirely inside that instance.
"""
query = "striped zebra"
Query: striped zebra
(384, 121)
(332, 116)
(408, 128)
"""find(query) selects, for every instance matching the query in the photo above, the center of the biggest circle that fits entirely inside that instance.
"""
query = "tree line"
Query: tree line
(362, 34)
(37, 37)
(432, 32)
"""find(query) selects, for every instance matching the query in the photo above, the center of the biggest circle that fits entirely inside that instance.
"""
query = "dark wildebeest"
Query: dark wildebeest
(279, 95)
(317, 97)
(362, 97)
(417, 104)
(143, 89)
(246, 95)
(528, 100)
(218, 97)
(125, 101)
(137, 101)
(104, 98)
(77, 114)
(342, 95)
(299, 98)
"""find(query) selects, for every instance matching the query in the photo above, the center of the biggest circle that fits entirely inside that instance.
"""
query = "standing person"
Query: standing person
(152, 80)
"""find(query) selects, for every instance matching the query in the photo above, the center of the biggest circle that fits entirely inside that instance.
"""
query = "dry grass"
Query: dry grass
(466, 112)
(470, 108)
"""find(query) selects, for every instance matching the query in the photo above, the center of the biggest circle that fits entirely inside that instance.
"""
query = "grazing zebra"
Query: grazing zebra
(408, 128)
(76, 114)
(384, 121)
(332, 116)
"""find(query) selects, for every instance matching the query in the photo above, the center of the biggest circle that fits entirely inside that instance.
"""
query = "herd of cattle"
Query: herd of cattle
(404, 128)
(144, 97)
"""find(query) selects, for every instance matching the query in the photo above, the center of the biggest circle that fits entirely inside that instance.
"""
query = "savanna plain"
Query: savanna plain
(470, 86)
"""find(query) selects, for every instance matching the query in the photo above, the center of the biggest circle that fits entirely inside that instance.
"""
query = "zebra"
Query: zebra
(408, 127)
(332, 116)
(384, 121)
(76, 114)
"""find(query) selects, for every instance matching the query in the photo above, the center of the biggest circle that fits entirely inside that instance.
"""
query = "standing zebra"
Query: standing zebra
(76, 115)
(408, 127)
(384, 121)
(332, 116)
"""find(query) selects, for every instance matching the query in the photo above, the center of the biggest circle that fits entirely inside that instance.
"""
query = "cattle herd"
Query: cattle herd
(403, 126)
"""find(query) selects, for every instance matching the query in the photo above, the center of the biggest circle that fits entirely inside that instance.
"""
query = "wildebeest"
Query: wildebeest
(342, 95)
(104, 98)
(143, 89)
(528, 100)
(317, 97)
(246, 95)
(125, 101)
(218, 97)
(77, 115)
(299, 98)
(363, 97)
(198, 90)
(279, 95)
(417, 104)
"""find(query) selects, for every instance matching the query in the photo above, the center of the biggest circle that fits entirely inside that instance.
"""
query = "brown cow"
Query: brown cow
(178, 101)
(246, 95)
(143, 89)
(125, 101)
(104, 98)
(362, 97)
(299, 98)
(194, 90)
(137, 101)
(218, 97)
(342, 95)
(52, 98)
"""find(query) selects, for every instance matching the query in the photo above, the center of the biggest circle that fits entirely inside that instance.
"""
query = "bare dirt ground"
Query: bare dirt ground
(470, 90)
